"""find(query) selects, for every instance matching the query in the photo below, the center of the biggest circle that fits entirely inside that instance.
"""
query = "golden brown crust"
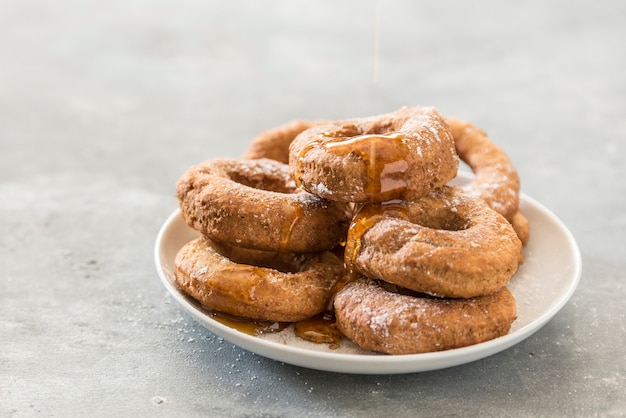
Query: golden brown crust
(521, 226)
(446, 244)
(496, 181)
(384, 321)
(255, 204)
(400, 155)
(205, 272)
(274, 143)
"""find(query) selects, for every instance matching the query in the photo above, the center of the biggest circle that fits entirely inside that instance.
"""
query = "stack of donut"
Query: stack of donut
(425, 264)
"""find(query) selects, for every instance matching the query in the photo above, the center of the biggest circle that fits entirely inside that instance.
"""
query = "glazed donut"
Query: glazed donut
(274, 143)
(241, 282)
(255, 204)
(400, 155)
(446, 244)
(381, 320)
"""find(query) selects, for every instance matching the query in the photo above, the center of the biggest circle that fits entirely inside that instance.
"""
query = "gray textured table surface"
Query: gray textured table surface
(104, 104)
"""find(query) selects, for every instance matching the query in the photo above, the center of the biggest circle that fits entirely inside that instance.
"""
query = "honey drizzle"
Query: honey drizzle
(366, 216)
(288, 227)
(386, 156)
(305, 150)
(319, 329)
(247, 325)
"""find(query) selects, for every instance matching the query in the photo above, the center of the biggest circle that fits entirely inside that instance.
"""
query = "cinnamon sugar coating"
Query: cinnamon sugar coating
(497, 181)
(399, 155)
(445, 244)
(385, 321)
(259, 285)
(255, 204)
(274, 143)
(521, 226)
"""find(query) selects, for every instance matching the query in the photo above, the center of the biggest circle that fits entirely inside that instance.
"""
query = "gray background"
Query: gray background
(104, 104)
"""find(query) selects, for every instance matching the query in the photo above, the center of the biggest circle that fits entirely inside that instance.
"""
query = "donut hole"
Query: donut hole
(264, 182)
(444, 209)
(282, 262)
(384, 129)
(447, 219)
(262, 174)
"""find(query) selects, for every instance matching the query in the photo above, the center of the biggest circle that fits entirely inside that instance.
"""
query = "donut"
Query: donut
(255, 204)
(274, 143)
(400, 155)
(446, 244)
(282, 287)
(521, 226)
(496, 179)
(382, 320)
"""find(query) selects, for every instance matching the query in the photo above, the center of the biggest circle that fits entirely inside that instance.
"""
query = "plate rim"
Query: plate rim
(376, 363)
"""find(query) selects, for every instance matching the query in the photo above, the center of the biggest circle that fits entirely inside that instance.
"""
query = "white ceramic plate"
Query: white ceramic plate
(543, 284)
